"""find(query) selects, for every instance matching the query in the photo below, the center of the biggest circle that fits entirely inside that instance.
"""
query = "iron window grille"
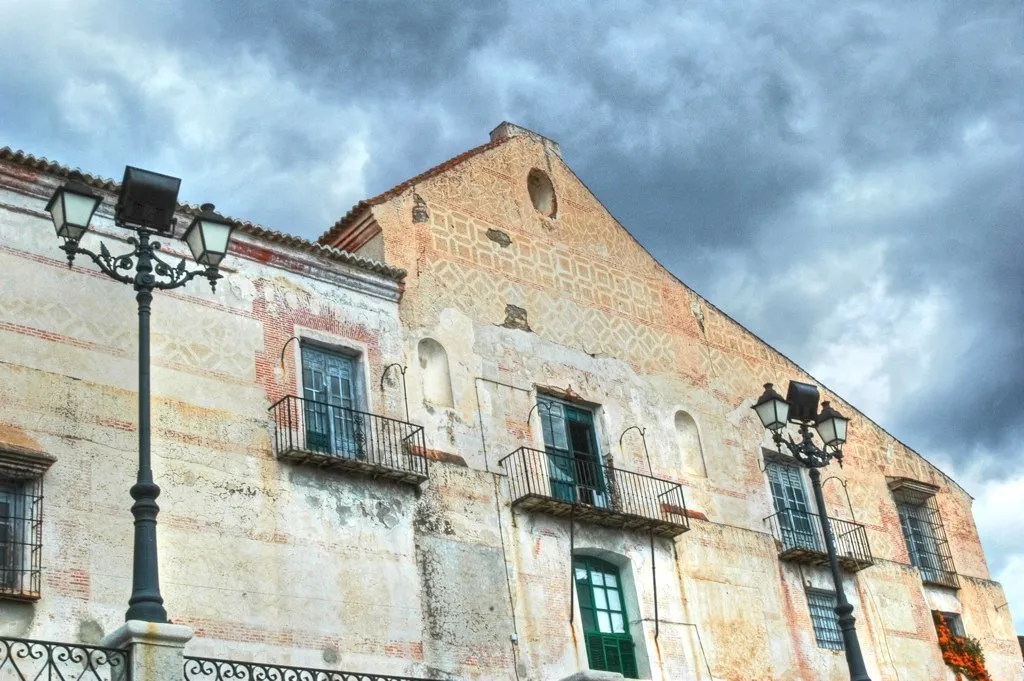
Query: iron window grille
(823, 616)
(925, 536)
(21, 537)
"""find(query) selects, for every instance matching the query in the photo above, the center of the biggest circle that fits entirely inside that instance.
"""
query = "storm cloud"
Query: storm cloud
(845, 180)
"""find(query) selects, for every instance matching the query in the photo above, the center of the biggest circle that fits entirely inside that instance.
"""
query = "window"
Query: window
(796, 523)
(602, 608)
(574, 464)
(953, 622)
(20, 537)
(923, 532)
(542, 193)
(437, 382)
(824, 618)
(333, 423)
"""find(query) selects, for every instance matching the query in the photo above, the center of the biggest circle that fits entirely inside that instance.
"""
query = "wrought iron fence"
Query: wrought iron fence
(587, 482)
(327, 431)
(209, 669)
(801, 534)
(28, 660)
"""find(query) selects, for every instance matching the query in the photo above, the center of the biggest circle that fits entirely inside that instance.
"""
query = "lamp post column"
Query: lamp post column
(847, 622)
(145, 603)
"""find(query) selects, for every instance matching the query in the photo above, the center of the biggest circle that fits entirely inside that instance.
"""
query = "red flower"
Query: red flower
(962, 654)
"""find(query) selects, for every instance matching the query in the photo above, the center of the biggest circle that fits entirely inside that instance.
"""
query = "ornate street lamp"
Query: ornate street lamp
(146, 206)
(801, 407)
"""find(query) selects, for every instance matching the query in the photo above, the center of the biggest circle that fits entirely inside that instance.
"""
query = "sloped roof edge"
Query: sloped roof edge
(365, 204)
(26, 160)
(360, 207)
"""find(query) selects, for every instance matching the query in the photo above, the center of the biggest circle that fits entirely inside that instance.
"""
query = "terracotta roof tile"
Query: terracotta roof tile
(45, 165)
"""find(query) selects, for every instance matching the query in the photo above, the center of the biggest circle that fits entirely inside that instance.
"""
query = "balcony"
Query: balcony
(592, 492)
(800, 539)
(329, 436)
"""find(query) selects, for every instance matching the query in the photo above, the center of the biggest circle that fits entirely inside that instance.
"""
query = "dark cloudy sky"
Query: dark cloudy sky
(846, 179)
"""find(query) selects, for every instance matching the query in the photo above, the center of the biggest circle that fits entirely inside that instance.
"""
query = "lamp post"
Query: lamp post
(146, 206)
(801, 407)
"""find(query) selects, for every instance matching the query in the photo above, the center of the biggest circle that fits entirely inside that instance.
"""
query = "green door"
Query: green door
(603, 610)
(333, 425)
(574, 463)
(798, 530)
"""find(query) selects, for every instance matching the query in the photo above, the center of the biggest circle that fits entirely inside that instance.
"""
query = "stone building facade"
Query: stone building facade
(589, 488)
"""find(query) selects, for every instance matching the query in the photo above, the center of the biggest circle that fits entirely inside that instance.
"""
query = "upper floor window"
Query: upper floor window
(789, 496)
(334, 425)
(21, 537)
(603, 611)
(824, 619)
(574, 463)
(923, 531)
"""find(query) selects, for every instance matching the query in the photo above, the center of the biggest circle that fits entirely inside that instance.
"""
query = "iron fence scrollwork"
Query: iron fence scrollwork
(31, 660)
(210, 669)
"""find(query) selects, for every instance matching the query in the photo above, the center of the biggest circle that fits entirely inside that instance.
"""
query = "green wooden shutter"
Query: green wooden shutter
(627, 657)
(595, 652)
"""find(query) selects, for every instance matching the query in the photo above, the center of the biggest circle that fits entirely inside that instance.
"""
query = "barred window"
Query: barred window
(824, 619)
(923, 531)
(21, 537)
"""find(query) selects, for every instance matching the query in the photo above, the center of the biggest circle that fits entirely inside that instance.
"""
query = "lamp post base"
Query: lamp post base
(155, 649)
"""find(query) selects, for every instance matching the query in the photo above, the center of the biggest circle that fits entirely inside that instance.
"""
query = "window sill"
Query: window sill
(11, 595)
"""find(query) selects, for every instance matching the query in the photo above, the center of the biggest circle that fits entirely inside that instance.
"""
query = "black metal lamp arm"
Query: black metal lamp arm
(116, 266)
(805, 451)
(110, 265)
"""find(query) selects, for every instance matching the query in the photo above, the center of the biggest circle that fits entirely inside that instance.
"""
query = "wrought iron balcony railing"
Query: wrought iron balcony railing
(28, 660)
(801, 539)
(593, 492)
(209, 669)
(329, 435)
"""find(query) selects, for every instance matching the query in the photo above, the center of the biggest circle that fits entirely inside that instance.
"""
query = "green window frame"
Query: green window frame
(791, 505)
(334, 424)
(603, 612)
(574, 460)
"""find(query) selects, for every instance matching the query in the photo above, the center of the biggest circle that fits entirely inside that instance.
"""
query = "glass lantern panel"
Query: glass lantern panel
(194, 239)
(841, 429)
(57, 213)
(78, 209)
(215, 236)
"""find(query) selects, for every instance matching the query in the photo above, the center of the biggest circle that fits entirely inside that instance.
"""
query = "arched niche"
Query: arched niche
(437, 379)
(688, 440)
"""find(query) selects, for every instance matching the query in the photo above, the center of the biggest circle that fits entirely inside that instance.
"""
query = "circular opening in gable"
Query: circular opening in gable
(542, 193)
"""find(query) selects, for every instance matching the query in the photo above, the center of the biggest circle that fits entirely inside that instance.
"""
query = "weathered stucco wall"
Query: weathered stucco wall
(264, 559)
(607, 321)
(290, 564)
